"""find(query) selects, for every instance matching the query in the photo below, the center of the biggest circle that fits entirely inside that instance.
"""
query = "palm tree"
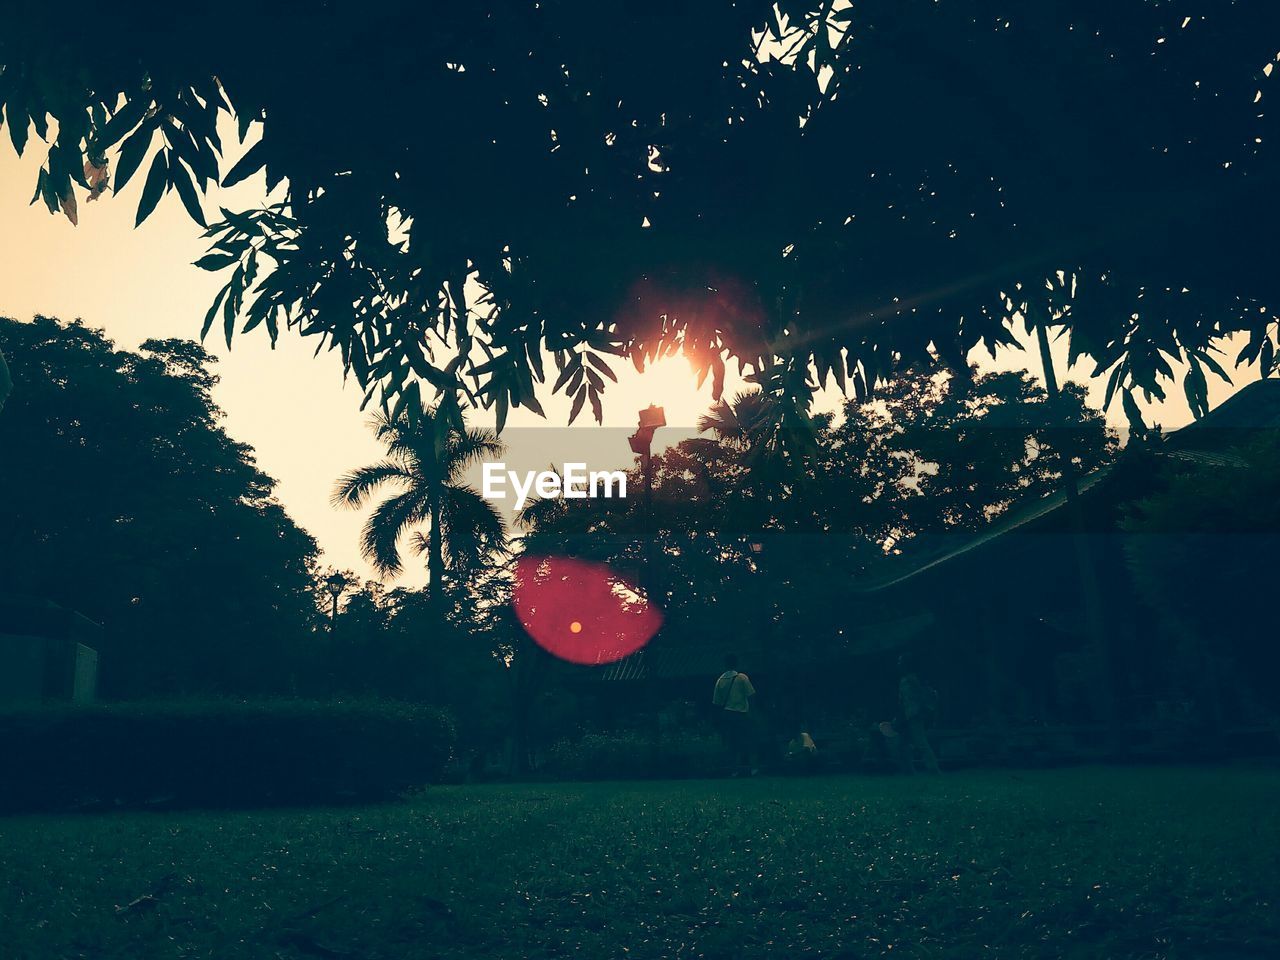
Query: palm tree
(770, 442)
(426, 461)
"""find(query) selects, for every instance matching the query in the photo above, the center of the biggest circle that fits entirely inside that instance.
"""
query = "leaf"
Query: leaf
(19, 127)
(241, 221)
(216, 261)
(124, 120)
(243, 121)
(213, 312)
(48, 192)
(603, 367)
(42, 181)
(1213, 365)
(153, 190)
(529, 401)
(132, 153)
(229, 308)
(596, 406)
(573, 366)
(187, 192)
(717, 380)
(248, 165)
(1112, 382)
(273, 330)
(578, 400)
(68, 203)
(501, 404)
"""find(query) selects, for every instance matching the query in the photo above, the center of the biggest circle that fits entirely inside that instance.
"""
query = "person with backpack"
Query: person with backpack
(732, 699)
(917, 706)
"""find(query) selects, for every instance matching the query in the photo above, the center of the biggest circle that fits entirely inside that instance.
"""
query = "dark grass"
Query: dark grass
(1077, 863)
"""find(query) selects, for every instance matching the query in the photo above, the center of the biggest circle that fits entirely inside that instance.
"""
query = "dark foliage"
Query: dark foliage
(6, 381)
(124, 499)
(396, 643)
(1202, 550)
(219, 754)
(814, 190)
(761, 532)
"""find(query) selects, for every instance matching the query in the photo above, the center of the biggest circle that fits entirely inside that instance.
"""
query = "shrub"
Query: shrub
(217, 753)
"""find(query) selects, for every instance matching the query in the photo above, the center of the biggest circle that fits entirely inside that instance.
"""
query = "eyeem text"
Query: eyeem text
(573, 483)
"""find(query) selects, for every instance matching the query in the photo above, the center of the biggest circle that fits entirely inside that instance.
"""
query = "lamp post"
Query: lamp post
(335, 583)
(651, 418)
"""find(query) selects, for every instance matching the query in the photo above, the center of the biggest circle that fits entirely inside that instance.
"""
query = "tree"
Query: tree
(932, 455)
(814, 190)
(126, 501)
(6, 381)
(426, 462)
(741, 553)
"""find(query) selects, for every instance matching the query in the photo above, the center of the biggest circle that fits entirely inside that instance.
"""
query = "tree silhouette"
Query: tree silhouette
(815, 191)
(426, 463)
(930, 457)
(126, 500)
(6, 381)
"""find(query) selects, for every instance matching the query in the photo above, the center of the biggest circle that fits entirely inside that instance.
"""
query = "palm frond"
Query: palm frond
(382, 531)
(469, 448)
(471, 527)
(354, 488)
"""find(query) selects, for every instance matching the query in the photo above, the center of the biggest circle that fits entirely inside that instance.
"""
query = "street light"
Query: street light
(651, 418)
(335, 583)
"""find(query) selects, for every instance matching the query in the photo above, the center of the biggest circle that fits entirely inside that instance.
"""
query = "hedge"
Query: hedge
(217, 754)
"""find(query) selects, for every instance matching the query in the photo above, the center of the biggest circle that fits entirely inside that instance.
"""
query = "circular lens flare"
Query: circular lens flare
(582, 612)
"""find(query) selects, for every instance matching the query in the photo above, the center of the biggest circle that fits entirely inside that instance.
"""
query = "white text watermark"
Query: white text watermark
(574, 482)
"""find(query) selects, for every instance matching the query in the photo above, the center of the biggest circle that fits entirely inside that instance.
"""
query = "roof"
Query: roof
(30, 616)
(1008, 523)
(1254, 407)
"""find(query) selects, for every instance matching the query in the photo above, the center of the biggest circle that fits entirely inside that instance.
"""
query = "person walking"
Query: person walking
(732, 698)
(917, 704)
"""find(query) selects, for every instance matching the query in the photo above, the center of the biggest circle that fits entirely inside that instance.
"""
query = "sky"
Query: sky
(294, 408)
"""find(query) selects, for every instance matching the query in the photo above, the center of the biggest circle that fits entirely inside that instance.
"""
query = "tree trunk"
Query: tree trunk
(435, 556)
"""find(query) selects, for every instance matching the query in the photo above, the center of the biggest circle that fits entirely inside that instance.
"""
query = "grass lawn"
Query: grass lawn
(1083, 863)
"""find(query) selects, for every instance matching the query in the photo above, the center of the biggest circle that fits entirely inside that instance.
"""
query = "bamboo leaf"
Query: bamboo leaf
(153, 190)
(187, 192)
(132, 153)
(247, 166)
(213, 312)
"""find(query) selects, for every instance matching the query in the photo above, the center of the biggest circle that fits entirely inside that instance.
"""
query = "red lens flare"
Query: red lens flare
(582, 612)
